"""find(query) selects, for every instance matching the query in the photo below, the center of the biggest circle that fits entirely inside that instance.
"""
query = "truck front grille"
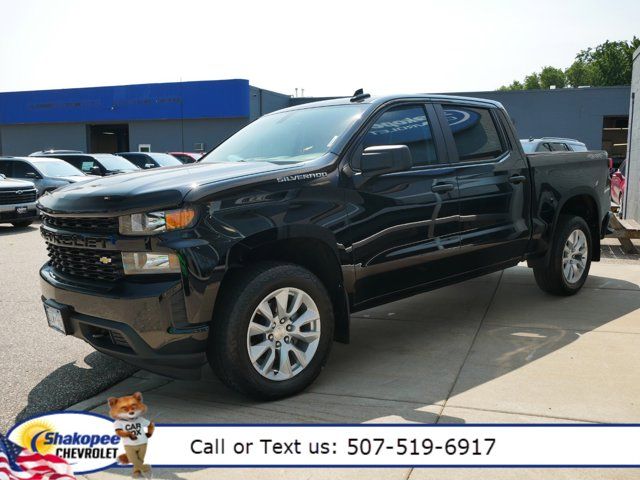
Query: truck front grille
(17, 196)
(83, 224)
(94, 264)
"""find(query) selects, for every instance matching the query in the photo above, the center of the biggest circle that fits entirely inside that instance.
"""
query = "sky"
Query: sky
(325, 47)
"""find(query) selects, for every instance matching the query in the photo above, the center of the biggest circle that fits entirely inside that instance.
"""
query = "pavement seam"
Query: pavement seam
(473, 341)
(576, 330)
(541, 415)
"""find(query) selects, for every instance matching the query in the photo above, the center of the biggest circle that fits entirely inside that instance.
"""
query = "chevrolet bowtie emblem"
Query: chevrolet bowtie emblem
(105, 260)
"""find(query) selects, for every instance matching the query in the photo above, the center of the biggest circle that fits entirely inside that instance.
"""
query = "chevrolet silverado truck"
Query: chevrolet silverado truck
(254, 257)
(17, 202)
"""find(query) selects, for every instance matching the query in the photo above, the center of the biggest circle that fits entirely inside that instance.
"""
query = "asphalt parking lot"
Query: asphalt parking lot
(41, 371)
(494, 349)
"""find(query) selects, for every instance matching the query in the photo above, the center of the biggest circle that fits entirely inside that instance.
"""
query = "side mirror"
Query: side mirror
(31, 175)
(378, 160)
(149, 165)
(95, 170)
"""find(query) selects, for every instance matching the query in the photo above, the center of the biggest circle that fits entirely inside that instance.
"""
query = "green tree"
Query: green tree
(515, 85)
(610, 62)
(550, 76)
(532, 82)
(579, 73)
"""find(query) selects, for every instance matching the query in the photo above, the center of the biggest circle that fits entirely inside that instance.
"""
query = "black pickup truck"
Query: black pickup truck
(254, 257)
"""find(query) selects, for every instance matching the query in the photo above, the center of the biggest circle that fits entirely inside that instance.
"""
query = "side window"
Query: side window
(559, 147)
(543, 147)
(5, 167)
(80, 162)
(474, 132)
(138, 160)
(404, 125)
(20, 169)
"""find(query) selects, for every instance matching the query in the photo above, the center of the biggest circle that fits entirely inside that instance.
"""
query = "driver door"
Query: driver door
(406, 223)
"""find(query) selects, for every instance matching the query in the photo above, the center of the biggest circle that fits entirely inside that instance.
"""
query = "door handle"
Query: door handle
(517, 179)
(442, 187)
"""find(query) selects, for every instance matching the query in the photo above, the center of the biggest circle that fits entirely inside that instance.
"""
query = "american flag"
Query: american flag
(17, 463)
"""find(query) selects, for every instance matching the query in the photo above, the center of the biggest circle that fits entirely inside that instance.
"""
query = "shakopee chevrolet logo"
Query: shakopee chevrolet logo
(86, 441)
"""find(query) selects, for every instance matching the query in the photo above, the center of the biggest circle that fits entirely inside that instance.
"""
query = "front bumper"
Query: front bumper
(135, 322)
(8, 213)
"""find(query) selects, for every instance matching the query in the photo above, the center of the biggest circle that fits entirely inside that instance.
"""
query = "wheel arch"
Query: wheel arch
(311, 247)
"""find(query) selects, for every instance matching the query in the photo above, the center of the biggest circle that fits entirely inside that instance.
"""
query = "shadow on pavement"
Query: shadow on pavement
(71, 384)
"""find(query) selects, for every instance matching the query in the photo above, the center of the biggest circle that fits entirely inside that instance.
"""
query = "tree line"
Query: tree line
(608, 64)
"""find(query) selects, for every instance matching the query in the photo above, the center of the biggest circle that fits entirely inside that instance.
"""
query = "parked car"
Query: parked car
(151, 159)
(47, 174)
(618, 183)
(17, 202)
(187, 157)
(552, 144)
(254, 257)
(101, 164)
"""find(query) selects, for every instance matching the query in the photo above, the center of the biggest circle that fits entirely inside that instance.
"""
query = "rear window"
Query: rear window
(475, 133)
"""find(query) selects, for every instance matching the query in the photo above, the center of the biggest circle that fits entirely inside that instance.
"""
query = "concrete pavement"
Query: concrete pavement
(493, 349)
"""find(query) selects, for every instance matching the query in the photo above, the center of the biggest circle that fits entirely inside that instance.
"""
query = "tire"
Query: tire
(554, 278)
(23, 224)
(230, 338)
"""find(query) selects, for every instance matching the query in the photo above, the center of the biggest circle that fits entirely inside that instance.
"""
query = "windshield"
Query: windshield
(164, 159)
(288, 137)
(114, 162)
(57, 168)
(527, 146)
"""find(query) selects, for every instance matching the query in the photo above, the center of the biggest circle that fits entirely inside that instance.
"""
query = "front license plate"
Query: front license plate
(55, 319)
(22, 210)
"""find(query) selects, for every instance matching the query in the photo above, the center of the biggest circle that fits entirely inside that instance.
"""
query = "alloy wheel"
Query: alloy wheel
(283, 334)
(574, 256)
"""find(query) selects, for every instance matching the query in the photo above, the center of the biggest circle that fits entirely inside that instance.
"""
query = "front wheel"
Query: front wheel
(271, 335)
(570, 258)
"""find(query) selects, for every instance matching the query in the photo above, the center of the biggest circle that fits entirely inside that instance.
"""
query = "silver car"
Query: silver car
(552, 144)
(47, 174)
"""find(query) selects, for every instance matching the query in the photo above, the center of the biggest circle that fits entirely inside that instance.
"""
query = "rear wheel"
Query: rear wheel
(271, 335)
(23, 224)
(570, 258)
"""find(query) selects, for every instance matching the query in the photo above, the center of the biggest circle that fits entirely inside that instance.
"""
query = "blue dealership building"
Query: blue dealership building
(195, 116)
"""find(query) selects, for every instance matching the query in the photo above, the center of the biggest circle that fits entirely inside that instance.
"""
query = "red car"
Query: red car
(186, 157)
(618, 183)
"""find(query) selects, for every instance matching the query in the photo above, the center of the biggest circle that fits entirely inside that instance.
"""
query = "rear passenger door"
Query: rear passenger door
(493, 184)
(405, 224)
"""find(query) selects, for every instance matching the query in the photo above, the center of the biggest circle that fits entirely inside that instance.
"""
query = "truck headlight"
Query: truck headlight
(156, 222)
(136, 263)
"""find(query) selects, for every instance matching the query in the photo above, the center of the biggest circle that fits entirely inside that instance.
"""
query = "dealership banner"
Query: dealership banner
(88, 443)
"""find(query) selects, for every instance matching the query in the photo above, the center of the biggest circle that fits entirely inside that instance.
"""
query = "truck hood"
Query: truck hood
(6, 183)
(144, 189)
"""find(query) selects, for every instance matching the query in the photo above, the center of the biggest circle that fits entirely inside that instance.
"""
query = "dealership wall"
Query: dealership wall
(176, 135)
(219, 108)
(24, 139)
(567, 112)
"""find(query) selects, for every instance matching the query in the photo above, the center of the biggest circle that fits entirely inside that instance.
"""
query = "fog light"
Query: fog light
(137, 263)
